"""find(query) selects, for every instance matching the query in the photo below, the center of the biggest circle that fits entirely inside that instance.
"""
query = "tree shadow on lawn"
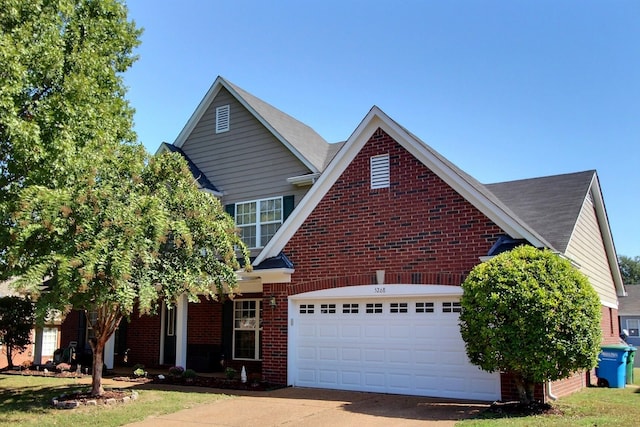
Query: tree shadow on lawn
(33, 399)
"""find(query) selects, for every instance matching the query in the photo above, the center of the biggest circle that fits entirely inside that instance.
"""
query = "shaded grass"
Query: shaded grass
(592, 406)
(26, 401)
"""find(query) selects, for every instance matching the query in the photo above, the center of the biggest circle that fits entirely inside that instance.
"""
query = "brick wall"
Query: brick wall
(420, 231)
(610, 326)
(143, 340)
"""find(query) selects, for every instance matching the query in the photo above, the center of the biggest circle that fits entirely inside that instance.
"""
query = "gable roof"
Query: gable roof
(551, 205)
(630, 303)
(200, 177)
(307, 145)
(472, 190)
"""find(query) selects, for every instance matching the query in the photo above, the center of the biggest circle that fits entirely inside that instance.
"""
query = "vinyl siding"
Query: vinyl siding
(586, 247)
(245, 163)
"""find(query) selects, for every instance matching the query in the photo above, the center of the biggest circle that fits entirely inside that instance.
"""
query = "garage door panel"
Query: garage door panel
(407, 353)
(352, 354)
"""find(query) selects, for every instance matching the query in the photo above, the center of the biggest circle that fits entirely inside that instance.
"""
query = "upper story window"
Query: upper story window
(222, 118)
(259, 220)
(380, 175)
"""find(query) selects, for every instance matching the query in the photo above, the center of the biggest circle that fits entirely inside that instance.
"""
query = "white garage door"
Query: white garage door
(401, 339)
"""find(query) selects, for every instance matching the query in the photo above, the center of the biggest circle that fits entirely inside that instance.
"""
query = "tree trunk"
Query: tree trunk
(9, 351)
(97, 346)
(525, 388)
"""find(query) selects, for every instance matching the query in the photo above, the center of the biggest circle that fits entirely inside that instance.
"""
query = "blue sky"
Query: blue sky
(504, 89)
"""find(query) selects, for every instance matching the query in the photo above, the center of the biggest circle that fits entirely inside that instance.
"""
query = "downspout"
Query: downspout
(549, 393)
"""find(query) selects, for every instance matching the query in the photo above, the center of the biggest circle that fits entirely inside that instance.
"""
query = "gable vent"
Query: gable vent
(222, 119)
(380, 172)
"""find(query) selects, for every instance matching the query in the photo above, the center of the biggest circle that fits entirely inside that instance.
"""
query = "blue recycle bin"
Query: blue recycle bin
(612, 365)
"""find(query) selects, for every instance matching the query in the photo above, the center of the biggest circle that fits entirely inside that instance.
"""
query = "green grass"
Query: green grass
(26, 401)
(590, 407)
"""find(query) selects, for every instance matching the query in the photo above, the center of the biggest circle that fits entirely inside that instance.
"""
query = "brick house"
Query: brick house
(359, 249)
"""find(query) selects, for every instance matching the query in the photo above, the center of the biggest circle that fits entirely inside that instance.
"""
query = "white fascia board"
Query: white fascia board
(503, 219)
(199, 112)
(605, 231)
(271, 275)
(302, 180)
(381, 292)
(373, 120)
(335, 168)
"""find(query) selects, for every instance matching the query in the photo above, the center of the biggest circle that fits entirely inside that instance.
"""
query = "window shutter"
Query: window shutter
(380, 175)
(287, 206)
(231, 210)
(222, 119)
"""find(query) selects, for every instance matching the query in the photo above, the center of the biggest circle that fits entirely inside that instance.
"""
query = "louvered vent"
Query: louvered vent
(380, 171)
(222, 119)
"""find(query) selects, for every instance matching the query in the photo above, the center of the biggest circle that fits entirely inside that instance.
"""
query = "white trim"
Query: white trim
(257, 328)
(258, 224)
(375, 119)
(303, 180)
(380, 291)
(182, 307)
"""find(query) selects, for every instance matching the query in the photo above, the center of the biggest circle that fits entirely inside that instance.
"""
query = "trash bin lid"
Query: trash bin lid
(619, 347)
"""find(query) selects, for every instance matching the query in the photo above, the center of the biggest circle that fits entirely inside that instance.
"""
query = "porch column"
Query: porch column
(37, 347)
(181, 331)
(109, 349)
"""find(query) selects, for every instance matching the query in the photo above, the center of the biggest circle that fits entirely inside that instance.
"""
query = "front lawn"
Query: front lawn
(26, 401)
(592, 406)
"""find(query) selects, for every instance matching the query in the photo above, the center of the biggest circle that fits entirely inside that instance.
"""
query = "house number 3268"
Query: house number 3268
(378, 290)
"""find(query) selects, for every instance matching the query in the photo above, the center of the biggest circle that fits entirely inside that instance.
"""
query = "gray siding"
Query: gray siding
(586, 247)
(245, 163)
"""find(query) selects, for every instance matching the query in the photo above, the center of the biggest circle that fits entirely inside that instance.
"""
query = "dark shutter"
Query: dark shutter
(231, 210)
(227, 330)
(287, 206)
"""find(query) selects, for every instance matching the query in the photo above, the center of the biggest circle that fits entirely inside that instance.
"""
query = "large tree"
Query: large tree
(61, 88)
(16, 323)
(530, 313)
(630, 269)
(127, 234)
(83, 208)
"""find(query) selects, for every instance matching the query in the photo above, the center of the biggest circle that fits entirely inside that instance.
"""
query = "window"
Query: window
(259, 220)
(373, 308)
(327, 308)
(350, 308)
(49, 341)
(380, 172)
(633, 327)
(424, 307)
(399, 307)
(222, 119)
(306, 309)
(451, 307)
(90, 333)
(247, 329)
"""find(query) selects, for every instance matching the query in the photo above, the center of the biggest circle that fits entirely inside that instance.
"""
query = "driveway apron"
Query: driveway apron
(317, 407)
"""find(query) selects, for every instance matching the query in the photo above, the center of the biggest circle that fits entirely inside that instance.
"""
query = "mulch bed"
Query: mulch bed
(201, 381)
(517, 409)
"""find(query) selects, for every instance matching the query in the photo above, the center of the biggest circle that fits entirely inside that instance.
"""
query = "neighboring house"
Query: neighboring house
(359, 249)
(45, 340)
(629, 314)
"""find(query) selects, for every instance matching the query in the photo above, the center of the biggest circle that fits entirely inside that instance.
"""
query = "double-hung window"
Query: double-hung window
(247, 329)
(259, 220)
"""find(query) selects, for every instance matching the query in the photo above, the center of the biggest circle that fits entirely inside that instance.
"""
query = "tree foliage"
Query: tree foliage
(85, 209)
(529, 313)
(61, 89)
(16, 323)
(630, 269)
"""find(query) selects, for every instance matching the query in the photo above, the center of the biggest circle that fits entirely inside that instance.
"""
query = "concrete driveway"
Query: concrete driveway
(315, 407)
